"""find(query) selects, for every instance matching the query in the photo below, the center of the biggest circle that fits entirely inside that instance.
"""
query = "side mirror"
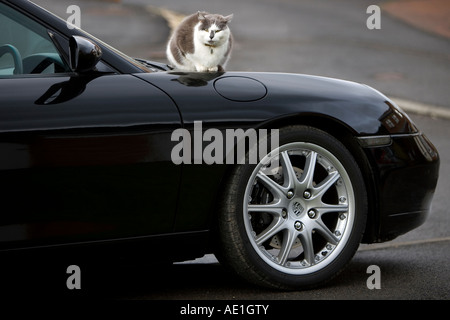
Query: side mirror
(84, 54)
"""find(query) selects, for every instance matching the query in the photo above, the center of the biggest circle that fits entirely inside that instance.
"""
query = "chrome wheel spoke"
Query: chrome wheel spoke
(276, 189)
(308, 248)
(275, 227)
(271, 208)
(324, 208)
(308, 172)
(289, 238)
(288, 171)
(326, 184)
(325, 232)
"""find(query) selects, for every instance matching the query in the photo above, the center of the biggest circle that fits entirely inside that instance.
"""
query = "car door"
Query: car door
(82, 157)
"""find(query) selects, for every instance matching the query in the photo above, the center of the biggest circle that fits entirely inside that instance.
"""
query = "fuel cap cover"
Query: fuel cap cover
(242, 89)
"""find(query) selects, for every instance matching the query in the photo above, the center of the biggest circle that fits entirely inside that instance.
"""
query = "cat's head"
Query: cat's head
(213, 28)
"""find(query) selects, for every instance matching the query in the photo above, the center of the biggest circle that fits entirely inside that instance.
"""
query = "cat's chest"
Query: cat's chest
(209, 52)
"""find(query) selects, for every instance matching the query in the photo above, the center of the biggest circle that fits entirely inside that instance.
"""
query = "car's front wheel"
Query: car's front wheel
(295, 219)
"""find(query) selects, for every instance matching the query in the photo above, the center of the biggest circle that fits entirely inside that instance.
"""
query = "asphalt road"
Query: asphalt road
(327, 38)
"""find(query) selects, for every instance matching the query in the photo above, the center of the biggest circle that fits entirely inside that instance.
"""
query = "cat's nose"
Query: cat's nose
(211, 34)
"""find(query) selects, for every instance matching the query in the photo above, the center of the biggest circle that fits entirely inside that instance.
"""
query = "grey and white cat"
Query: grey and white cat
(202, 42)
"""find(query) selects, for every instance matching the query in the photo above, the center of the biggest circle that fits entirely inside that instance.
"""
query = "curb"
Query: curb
(172, 18)
(422, 108)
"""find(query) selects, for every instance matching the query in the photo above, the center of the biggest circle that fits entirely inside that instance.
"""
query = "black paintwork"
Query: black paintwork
(86, 157)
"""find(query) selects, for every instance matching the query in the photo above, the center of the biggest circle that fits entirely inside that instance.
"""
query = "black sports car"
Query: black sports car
(99, 150)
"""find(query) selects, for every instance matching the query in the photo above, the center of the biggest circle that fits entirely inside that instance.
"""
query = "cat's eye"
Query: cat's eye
(217, 31)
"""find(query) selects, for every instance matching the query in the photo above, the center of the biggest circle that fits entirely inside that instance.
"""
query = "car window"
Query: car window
(26, 46)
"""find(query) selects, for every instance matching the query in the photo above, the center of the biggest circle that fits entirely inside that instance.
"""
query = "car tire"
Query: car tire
(295, 219)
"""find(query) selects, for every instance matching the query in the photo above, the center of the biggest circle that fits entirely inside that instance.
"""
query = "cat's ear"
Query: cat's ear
(228, 18)
(201, 16)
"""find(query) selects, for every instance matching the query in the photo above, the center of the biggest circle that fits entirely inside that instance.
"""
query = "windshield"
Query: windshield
(133, 61)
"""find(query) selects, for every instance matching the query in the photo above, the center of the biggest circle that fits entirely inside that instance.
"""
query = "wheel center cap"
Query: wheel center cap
(297, 208)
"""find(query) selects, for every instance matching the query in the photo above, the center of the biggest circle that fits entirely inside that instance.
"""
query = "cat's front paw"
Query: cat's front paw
(206, 69)
(213, 69)
(201, 68)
